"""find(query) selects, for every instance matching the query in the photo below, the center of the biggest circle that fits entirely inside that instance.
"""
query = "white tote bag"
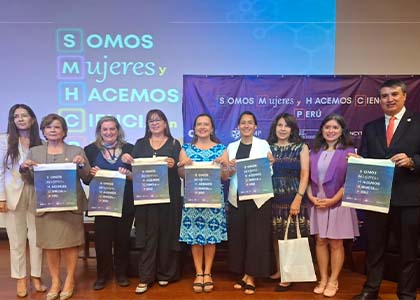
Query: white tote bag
(295, 257)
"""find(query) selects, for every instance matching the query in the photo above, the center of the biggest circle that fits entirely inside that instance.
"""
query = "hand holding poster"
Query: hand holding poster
(254, 178)
(150, 180)
(368, 184)
(55, 187)
(202, 185)
(106, 194)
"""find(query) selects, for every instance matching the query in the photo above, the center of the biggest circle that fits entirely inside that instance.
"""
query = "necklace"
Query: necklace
(157, 144)
(326, 153)
(111, 155)
(108, 147)
(24, 142)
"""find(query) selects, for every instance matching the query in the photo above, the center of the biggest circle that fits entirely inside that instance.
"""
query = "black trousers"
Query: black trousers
(112, 235)
(406, 222)
(159, 249)
(250, 239)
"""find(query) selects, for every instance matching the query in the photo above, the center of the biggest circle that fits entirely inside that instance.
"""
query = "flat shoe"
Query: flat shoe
(163, 282)
(249, 289)
(66, 295)
(123, 281)
(141, 288)
(331, 289)
(320, 288)
(283, 288)
(99, 284)
(239, 285)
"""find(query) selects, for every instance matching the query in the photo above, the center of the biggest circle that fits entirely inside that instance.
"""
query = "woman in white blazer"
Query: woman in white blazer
(22, 133)
(249, 221)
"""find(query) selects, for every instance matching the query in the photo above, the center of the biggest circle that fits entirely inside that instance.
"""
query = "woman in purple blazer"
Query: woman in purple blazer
(330, 223)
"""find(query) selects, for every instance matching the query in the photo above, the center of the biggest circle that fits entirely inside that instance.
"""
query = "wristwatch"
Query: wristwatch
(412, 163)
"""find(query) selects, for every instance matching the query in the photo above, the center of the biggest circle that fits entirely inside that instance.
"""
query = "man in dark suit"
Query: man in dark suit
(401, 128)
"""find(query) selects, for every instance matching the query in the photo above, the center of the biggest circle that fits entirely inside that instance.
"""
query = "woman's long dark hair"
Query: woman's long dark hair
(213, 136)
(343, 142)
(12, 153)
(291, 122)
(162, 116)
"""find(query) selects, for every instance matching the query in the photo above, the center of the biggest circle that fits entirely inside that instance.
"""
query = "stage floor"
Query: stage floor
(350, 284)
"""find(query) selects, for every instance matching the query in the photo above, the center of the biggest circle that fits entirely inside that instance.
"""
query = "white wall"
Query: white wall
(378, 37)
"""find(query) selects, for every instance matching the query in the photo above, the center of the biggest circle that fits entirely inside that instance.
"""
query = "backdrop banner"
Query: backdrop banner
(309, 98)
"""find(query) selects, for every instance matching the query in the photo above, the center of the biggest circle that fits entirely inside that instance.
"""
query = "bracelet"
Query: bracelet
(300, 194)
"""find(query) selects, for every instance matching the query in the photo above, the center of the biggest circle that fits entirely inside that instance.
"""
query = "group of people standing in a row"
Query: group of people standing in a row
(252, 227)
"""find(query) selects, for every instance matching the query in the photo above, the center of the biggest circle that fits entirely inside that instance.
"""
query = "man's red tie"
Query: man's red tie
(390, 130)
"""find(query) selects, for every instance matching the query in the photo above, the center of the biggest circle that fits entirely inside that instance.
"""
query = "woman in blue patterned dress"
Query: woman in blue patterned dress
(290, 180)
(203, 228)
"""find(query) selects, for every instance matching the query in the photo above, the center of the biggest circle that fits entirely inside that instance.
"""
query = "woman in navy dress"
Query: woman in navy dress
(290, 180)
(111, 232)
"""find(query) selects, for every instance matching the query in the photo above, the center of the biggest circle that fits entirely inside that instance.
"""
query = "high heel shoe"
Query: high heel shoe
(66, 295)
(209, 284)
(21, 288)
(249, 289)
(275, 276)
(240, 284)
(52, 295)
(331, 289)
(37, 284)
(320, 288)
(198, 286)
(56, 286)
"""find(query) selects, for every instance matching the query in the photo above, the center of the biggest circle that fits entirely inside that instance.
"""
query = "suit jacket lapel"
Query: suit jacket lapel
(381, 133)
(402, 127)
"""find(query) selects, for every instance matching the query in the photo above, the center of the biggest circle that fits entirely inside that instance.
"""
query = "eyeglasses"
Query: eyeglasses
(154, 121)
